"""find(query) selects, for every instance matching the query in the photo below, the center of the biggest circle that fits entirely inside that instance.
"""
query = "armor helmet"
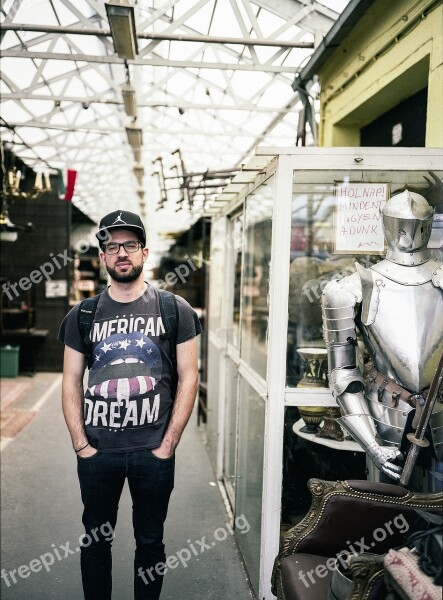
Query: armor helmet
(407, 222)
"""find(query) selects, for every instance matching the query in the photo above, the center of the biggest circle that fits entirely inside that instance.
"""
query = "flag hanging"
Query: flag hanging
(66, 190)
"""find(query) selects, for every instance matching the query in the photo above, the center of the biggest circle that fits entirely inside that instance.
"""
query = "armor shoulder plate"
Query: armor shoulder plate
(403, 275)
(352, 283)
(437, 277)
(370, 295)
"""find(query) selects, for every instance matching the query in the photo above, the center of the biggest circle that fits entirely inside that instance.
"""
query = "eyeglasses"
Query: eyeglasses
(114, 247)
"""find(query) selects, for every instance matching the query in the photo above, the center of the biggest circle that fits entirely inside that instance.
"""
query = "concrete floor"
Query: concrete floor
(41, 516)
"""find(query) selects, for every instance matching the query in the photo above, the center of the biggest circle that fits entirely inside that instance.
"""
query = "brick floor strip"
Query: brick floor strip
(13, 421)
(11, 391)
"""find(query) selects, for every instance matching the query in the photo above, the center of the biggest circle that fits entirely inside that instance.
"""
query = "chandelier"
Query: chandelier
(11, 186)
(11, 190)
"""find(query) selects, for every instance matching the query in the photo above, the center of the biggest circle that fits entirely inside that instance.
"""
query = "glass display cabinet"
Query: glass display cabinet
(289, 222)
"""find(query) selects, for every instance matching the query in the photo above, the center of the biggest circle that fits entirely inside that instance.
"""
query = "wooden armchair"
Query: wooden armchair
(359, 519)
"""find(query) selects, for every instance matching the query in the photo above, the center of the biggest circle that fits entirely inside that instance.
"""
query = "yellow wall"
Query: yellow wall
(392, 53)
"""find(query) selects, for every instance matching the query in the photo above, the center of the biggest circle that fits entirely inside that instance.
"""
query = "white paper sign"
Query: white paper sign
(357, 218)
(56, 289)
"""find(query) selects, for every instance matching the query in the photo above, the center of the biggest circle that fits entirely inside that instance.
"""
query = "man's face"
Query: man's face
(124, 267)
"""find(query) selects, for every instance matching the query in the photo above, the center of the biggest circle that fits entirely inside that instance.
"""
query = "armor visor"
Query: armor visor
(407, 235)
(407, 222)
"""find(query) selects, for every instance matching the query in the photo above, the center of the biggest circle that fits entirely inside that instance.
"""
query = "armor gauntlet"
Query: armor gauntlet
(345, 379)
(360, 426)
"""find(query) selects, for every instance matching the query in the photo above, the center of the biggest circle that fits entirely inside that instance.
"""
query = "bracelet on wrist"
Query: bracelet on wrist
(82, 448)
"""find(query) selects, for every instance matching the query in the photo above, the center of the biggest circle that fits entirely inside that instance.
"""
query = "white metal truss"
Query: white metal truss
(212, 78)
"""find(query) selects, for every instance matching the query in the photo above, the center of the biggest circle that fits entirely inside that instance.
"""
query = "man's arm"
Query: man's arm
(187, 369)
(72, 400)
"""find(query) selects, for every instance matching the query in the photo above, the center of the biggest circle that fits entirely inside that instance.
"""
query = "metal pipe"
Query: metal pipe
(224, 40)
(200, 185)
(156, 36)
(207, 173)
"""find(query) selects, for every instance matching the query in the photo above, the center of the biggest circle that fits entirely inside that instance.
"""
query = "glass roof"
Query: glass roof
(203, 103)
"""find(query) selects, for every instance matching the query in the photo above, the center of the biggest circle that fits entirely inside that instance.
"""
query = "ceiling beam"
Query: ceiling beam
(237, 54)
(175, 24)
(320, 17)
(9, 17)
(106, 130)
(205, 39)
(226, 49)
(145, 104)
(157, 13)
(270, 127)
(157, 62)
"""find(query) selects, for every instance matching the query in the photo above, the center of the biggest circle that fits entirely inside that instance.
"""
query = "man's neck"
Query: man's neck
(127, 292)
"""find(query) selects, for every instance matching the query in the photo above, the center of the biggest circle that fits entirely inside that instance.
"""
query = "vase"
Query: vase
(312, 417)
(330, 429)
(315, 367)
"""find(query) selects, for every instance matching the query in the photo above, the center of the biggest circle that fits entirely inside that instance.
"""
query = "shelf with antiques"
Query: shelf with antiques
(18, 328)
(88, 276)
(328, 440)
(17, 313)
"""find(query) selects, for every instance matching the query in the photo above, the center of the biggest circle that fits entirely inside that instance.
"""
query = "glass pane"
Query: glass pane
(255, 277)
(216, 274)
(230, 448)
(314, 260)
(303, 459)
(213, 390)
(237, 244)
(250, 476)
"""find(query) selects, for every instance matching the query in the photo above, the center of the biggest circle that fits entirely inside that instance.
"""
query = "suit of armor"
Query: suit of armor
(400, 308)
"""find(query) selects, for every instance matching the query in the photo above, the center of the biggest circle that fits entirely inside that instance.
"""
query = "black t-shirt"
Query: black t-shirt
(128, 397)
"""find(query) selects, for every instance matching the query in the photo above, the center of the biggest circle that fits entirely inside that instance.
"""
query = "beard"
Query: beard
(127, 277)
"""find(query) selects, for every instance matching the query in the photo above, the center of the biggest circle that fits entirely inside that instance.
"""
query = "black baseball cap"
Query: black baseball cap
(121, 219)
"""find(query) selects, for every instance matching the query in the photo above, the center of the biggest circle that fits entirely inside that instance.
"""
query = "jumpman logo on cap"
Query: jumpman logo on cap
(119, 219)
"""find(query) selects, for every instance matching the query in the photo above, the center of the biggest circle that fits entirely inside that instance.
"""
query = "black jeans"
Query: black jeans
(151, 481)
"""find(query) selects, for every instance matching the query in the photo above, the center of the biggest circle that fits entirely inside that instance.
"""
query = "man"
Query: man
(127, 424)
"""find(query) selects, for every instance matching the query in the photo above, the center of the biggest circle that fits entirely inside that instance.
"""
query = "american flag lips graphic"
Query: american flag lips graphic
(123, 388)
(134, 359)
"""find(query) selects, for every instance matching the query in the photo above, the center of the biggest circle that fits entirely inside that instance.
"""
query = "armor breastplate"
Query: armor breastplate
(405, 336)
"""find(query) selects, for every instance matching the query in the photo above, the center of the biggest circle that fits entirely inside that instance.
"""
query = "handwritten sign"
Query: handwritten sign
(357, 219)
